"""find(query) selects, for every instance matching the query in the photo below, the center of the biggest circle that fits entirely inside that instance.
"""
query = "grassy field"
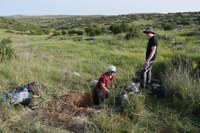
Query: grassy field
(53, 62)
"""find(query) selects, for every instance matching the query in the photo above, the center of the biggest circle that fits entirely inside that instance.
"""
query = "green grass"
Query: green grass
(53, 61)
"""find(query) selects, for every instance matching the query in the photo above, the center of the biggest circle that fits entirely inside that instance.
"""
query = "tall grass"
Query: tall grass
(108, 122)
(53, 62)
(183, 88)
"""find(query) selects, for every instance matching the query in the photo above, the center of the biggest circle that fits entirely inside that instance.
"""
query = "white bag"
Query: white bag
(20, 97)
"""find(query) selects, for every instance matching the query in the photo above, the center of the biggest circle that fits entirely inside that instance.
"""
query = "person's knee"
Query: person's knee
(107, 95)
(101, 96)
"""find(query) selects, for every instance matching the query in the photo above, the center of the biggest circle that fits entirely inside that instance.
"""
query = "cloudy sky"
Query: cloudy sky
(95, 7)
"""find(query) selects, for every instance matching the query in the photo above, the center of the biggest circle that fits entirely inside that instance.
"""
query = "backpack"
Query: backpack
(23, 98)
(18, 97)
(158, 90)
(35, 88)
(133, 87)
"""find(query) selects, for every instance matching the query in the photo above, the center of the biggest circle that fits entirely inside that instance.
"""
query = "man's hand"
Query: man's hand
(106, 90)
(146, 64)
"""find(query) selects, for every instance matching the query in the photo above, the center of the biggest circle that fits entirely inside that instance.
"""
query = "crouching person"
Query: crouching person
(103, 85)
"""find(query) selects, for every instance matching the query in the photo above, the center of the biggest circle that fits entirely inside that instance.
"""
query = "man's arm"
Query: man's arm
(153, 51)
(103, 86)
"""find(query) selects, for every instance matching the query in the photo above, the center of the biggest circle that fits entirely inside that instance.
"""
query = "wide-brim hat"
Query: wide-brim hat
(149, 30)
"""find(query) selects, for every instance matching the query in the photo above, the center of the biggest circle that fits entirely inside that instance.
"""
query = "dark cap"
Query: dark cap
(149, 30)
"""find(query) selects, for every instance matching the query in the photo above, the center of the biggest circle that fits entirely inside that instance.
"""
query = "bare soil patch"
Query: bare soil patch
(73, 111)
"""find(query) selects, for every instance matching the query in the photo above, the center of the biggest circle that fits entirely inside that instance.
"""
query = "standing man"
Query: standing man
(103, 85)
(151, 51)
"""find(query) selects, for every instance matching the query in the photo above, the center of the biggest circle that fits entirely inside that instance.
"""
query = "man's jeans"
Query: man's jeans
(101, 95)
(146, 75)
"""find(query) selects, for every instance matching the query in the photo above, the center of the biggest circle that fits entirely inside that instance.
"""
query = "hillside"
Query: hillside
(76, 50)
(70, 22)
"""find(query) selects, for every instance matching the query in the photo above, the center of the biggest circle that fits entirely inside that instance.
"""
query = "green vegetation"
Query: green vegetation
(23, 28)
(6, 51)
(60, 46)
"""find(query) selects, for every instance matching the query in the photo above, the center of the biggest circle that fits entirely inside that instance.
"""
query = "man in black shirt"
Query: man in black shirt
(151, 51)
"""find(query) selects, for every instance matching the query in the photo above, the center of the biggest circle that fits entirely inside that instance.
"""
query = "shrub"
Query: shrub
(10, 31)
(184, 21)
(77, 32)
(94, 30)
(6, 51)
(71, 32)
(133, 32)
(124, 27)
(57, 33)
(64, 32)
(168, 26)
(119, 28)
(115, 28)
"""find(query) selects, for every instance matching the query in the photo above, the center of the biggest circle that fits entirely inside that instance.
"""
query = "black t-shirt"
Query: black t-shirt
(152, 42)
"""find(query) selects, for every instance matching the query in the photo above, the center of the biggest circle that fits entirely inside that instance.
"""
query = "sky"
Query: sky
(95, 7)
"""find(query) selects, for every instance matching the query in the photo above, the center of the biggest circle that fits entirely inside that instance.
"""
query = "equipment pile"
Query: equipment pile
(23, 95)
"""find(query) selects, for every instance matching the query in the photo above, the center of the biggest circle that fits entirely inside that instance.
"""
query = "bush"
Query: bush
(6, 51)
(64, 32)
(77, 32)
(133, 32)
(168, 26)
(94, 30)
(9, 31)
(184, 21)
(119, 28)
(57, 33)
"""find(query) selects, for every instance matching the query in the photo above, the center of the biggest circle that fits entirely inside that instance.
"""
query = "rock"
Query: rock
(93, 82)
(77, 74)
(133, 87)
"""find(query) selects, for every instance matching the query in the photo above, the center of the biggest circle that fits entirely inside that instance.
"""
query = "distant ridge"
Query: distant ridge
(19, 16)
(51, 16)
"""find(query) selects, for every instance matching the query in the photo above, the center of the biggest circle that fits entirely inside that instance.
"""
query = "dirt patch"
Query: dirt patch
(73, 111)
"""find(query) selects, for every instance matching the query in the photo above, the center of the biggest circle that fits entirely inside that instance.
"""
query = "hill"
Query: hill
(65, 61)
(70, 22)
